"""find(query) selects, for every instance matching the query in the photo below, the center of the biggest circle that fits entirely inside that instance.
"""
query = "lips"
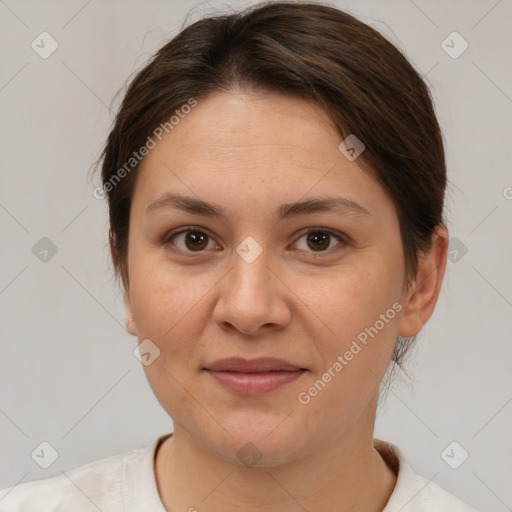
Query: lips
(262, 364)
(253, 377)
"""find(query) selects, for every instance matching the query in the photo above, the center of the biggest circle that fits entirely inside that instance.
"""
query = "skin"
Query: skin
(250, 152)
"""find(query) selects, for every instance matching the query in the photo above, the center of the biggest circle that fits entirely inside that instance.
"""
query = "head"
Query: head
(298, 246)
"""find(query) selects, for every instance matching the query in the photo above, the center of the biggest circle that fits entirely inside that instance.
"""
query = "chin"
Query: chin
(258, 443)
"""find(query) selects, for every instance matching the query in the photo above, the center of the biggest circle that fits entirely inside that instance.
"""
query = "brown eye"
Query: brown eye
(195, 240)
(190, 240)
(320, 240)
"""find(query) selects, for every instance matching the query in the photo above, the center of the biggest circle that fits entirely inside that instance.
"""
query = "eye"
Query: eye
(190, 239)
(320, 240)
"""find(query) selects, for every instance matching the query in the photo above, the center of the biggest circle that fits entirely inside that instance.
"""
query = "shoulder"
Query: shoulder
(91, 486)
(413, 492)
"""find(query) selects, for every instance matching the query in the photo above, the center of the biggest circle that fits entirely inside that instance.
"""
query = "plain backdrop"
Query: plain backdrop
(68, 375)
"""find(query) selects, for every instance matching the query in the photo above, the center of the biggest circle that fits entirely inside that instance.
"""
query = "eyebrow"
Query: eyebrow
(196, 206)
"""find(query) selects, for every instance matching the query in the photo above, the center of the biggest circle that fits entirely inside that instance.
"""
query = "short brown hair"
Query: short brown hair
(314, 51)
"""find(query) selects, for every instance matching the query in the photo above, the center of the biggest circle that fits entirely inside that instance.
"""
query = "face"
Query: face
(252, 276)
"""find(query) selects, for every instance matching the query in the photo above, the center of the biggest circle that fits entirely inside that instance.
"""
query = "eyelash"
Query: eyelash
(342, 239)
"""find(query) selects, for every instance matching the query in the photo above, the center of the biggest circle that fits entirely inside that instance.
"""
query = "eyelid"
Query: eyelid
(167, 239)
(343, 239)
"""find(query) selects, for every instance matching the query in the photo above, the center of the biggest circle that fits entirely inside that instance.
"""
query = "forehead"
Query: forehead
(241, 125)
(268, 146)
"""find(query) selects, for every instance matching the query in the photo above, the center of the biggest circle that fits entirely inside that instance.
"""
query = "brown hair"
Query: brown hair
(314, 51)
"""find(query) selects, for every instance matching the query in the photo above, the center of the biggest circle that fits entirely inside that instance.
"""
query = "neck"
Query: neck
(346, 474)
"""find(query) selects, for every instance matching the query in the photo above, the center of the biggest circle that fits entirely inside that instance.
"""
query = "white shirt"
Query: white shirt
(126, 483)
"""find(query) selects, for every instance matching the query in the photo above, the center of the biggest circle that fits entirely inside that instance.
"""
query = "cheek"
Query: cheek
(360, 307)
(164, 302)
(167, 309)
(355, 352)
(356, 297)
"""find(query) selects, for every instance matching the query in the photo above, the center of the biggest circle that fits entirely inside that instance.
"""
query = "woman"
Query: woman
(275, 181)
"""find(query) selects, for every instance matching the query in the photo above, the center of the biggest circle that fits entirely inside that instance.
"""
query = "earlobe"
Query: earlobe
(129, 321)
(420, 300)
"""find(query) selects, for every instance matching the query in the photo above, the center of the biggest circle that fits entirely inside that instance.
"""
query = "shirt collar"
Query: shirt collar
(140, 489)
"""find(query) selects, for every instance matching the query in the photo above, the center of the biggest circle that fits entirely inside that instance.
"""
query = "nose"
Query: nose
(252, 298)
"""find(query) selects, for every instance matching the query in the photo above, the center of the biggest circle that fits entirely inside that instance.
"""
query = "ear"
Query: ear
(421, 298)
(128, 314)
(129, 321)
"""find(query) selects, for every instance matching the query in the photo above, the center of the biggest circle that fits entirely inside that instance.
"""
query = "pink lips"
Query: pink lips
(253, 377)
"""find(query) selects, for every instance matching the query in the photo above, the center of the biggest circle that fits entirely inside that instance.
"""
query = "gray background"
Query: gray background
(68, 375)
